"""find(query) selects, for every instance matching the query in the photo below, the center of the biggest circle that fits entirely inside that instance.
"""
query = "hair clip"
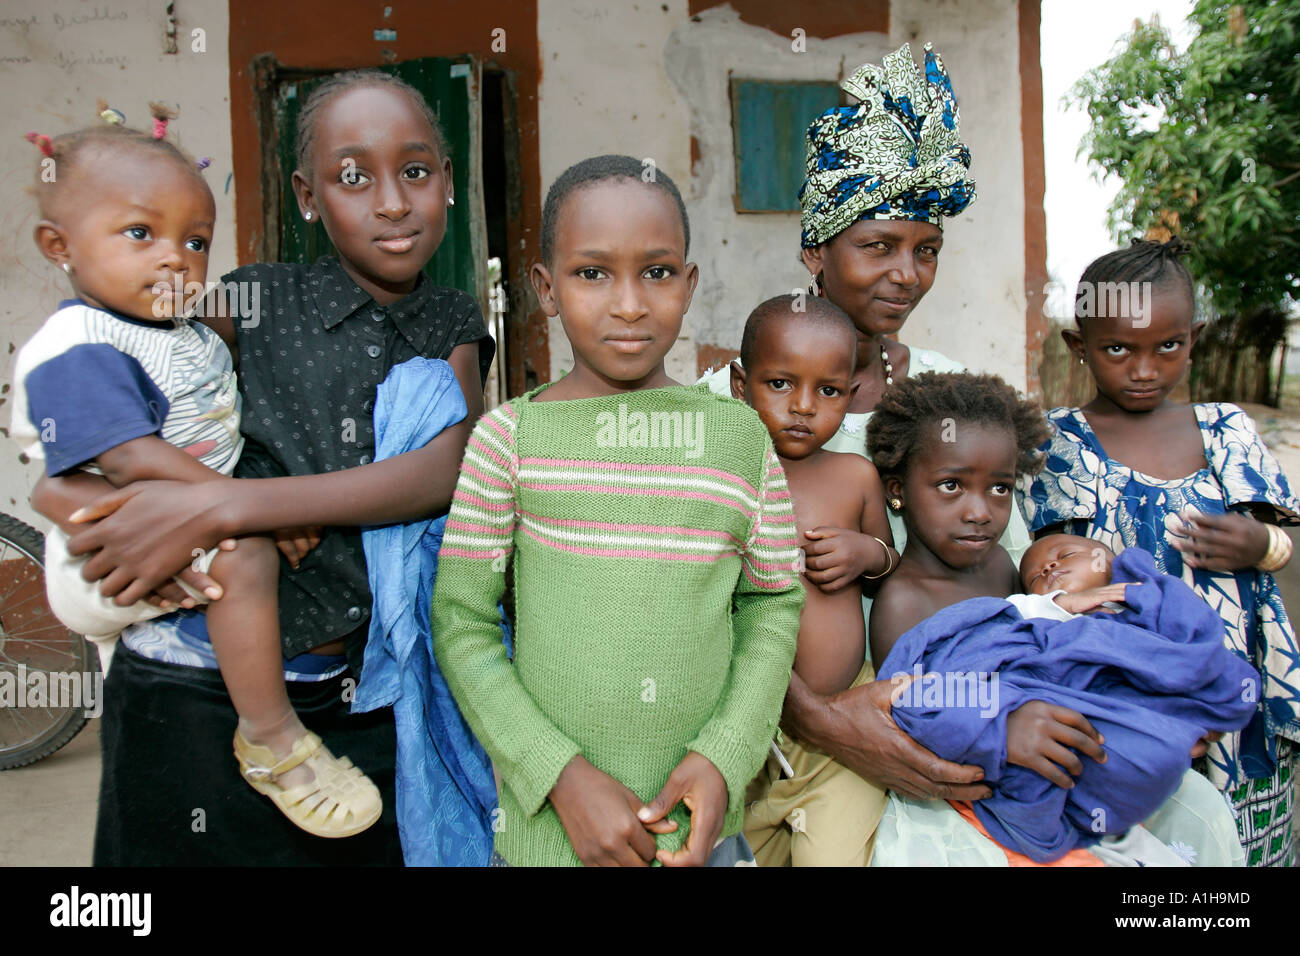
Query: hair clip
(204, 163)
(42, 142)
(109, 115)
(161, 114)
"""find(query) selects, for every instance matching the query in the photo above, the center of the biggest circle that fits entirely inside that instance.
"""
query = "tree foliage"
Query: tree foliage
(1207, 145)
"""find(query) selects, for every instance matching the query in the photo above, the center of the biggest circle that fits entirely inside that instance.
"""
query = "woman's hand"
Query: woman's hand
(1226, 542)
(698, 783)
(1038, 735)
(857, 728)
(148, 532)
(600, 816)
(836, 557)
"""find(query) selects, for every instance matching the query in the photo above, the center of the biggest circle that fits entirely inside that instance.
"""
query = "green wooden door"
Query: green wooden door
(451, 86)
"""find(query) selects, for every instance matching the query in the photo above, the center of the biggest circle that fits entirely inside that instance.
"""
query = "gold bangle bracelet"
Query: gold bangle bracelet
(888, 557)
(1279, 550)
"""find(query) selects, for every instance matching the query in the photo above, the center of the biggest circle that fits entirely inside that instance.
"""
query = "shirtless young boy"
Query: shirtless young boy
(797, 374)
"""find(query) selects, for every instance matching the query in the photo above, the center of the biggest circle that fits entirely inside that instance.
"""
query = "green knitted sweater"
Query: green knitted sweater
(653, 544)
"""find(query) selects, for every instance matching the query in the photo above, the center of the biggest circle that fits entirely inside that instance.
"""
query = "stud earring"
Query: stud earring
(307, 215)
(451, 200)
(1082, 362)
(895, 504)
(67, 267)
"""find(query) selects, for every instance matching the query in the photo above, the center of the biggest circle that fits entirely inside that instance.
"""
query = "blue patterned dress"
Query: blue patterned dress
(1103, 499)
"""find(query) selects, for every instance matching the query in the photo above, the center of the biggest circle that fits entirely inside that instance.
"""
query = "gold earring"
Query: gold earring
(895, 503)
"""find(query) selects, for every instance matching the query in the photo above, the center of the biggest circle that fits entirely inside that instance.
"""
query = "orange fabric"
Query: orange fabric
(1076, 857)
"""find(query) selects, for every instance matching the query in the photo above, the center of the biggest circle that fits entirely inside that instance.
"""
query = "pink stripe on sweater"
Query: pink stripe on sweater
(785, 568)
(622, 552)
(500, 531)
(482, 477)
(660, 492)
(766, 585)
(631, 466)
(466, 497)
(450, 552)
(483, 449)
(642, 528)
(497, 427)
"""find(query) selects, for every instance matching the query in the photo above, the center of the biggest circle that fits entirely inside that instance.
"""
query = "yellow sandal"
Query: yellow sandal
(341, 802)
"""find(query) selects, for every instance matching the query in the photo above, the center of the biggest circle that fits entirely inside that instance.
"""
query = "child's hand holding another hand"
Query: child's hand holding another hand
(296, 543)
(698, 783)
(836, 557)
(1043, 737)
(600, 816)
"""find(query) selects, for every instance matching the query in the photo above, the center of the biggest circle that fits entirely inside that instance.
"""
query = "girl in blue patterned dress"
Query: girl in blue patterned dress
(1196, 487)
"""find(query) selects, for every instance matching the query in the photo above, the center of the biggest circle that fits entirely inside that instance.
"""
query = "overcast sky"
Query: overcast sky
(1075, 38)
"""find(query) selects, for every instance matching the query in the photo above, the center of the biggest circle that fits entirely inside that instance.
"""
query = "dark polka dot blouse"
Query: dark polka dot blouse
(311, 356)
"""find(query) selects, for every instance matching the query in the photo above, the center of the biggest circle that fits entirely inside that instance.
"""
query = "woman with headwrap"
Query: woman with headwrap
(881, 176)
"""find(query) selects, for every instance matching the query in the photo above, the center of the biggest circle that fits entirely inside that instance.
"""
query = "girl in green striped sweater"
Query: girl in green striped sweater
(651, 540)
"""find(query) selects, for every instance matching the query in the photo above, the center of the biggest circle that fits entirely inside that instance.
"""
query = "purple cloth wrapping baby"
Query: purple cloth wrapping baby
(1152, 680)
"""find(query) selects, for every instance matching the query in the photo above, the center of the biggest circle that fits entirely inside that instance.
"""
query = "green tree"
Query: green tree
(1207, 145)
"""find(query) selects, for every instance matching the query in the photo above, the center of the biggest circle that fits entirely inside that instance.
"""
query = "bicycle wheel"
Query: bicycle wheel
(47, 673)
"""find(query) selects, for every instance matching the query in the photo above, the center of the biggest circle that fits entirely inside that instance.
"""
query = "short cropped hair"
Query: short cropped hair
(598, 169)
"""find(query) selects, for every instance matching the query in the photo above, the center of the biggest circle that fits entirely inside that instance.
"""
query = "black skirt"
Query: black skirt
(171, 793)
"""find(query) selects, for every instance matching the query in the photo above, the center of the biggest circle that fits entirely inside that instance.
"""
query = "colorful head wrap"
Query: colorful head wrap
(896, 155)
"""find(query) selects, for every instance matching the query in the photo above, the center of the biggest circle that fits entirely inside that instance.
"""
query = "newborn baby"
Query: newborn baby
(1151, 679)
(1064, 575)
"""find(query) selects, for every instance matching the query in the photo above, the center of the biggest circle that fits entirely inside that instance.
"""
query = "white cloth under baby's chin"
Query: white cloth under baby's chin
(1041, 605)
(1044, 605)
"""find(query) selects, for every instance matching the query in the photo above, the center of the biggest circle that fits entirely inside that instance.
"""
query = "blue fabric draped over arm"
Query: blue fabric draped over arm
(445, 789)
(1152, 679)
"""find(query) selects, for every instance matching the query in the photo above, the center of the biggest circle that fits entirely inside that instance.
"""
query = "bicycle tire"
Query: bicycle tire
(22, 575)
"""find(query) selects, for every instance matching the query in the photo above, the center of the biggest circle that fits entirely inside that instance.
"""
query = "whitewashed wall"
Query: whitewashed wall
(56, 58)
(976, 311)
(606, 89)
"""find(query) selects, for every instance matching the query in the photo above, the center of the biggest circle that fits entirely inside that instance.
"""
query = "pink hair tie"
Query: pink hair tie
(159, 127)
(42, 142)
